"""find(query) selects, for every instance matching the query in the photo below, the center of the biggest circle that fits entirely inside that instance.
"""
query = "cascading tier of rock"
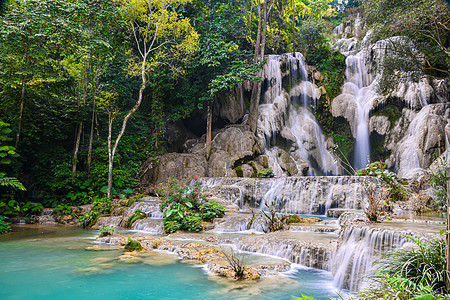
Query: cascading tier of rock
(295, 195)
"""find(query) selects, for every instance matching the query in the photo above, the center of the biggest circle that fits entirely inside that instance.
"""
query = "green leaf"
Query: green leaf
(5, 161)
(128, 191)
(424, 297)
(104, 189)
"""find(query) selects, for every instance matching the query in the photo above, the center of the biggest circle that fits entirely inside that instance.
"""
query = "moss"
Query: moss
(255, 170)
(138, 214)
(331, 63)
(239, 171)
(393, 113)
(132, 245)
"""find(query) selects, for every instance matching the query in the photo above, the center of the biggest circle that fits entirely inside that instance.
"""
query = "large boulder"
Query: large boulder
(173, 165)
(344, 105)
(237, 141)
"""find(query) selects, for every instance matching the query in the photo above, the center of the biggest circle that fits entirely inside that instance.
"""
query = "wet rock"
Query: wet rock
(424, 138)
(174, 165)
(297, 195)
(46, 217)
(220, 164)
(379, 124)
(344, 106)
(132, 245)
(107, 221)
(237, 140)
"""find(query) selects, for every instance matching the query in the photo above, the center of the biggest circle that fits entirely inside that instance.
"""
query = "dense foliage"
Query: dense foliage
(185, 206)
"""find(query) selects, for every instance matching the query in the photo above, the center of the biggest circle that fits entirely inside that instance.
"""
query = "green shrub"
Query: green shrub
(424, 265)
(4, 225)
(138, 214)
(397, 287)
(439, 184)
(62, 209)
(32, 209)
(132, 245)
(9, 208)
(101, 207)
(181, 192)
(211, 210)
(185, 206)
(105, 231)
(266, 173)
(379, 170)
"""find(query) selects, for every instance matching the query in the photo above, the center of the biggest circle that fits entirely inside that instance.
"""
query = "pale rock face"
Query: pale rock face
(379, 124)
(219, 164)
(271, 116)
(305, 88)
(344, 105)
(416, 94)
(237, 140)
(424, 138)
(175, 165)
(232, 105)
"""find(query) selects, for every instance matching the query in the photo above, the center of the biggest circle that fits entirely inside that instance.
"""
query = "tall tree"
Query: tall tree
(160, 35)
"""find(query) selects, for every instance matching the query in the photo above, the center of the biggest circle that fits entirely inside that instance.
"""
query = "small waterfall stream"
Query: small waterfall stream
(360, 88)
(358, 249)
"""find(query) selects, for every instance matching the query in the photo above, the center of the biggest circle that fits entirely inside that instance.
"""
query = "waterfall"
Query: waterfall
(358, 250)
(291, 116)
(295, 251)
(359, 88)
(293, 195)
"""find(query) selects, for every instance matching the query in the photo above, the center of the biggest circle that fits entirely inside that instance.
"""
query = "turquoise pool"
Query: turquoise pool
(53, 263)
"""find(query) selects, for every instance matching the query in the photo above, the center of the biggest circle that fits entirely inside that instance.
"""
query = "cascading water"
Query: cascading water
(359, 87)
(359, 248)
(294, 195)
(293, 118)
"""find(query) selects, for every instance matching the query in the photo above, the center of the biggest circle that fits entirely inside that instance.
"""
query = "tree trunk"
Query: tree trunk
(209, 129)
(447, 236)
(22, 104)
(293, 29)
(91, 136)
(110, 156)
(80, 125)
(258, 33)
(112, 152)
(256, 86)
(264, 33)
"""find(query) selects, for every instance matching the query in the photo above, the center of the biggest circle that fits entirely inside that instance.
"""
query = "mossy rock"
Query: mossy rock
(239, 171)
(298, 219)
(132, 245)
(295, 219)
